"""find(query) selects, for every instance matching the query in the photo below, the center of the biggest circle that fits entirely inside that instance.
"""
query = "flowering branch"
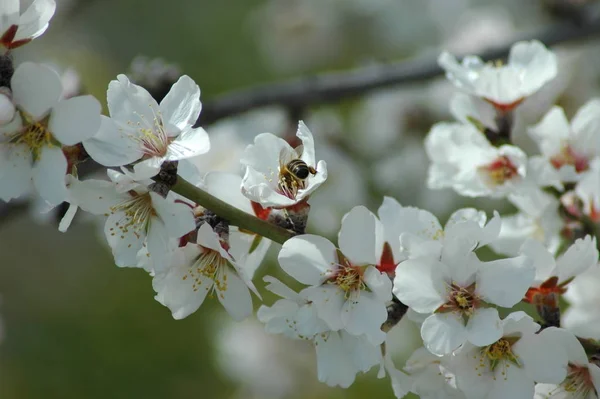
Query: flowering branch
(332, 87)
(234, 215)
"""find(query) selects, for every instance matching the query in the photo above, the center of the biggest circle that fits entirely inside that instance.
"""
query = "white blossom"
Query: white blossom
(140, 223)
(530, 66)
(569, 147)
(430, 376)
(17, 29)
(201, 269)
(455, 288)
(510, 366)
(268, 180)
(463, 159)
(141, 130)
(346, 287)
(583, 375)
(31, 145)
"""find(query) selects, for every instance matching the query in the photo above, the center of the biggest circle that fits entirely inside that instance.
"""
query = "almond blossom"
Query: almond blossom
(268, 179)
(463, 159)
(345, 286)
(530, 66)
(510, 366)
(17, 29)
(583, 374)
(457, 289)
(31, 144)
(431, 378)
(140, 223)
(201, 269)
(141, 130)
(569, 147)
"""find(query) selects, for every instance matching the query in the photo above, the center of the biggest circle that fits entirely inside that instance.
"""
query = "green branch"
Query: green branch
(234, 215)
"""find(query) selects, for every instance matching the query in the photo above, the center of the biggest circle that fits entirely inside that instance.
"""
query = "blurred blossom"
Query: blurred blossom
(480, 28)
(295, 35)
(264, 365)
(583, 315)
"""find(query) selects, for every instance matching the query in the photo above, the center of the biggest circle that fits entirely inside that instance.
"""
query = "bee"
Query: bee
(293, 172)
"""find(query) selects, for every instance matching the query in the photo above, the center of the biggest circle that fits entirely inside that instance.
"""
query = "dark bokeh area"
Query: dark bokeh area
(77, 326)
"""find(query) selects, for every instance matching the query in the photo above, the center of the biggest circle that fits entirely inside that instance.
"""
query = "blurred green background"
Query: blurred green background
(76, 326)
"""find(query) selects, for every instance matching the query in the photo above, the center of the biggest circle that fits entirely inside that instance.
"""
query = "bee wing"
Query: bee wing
(286, 155)
(299, 150)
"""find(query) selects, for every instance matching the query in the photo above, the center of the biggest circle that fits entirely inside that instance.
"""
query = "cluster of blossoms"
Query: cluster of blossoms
(201, 239)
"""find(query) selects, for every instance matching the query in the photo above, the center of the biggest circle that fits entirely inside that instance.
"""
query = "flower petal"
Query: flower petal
(190, 143)
(443, 333)
(36, 89)
(181, 106)
(177, 217)
(110, 146)
(419, 283)
(75, 119)
(365, 316)
(580, 256)
(236, 298)
(484, 327)
(308, 258)
(34, 21)
(15, 171)
(49, 175)
(357, 236)
(504, 282)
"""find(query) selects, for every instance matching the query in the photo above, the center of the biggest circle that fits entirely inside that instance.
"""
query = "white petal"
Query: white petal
(329, 300)
(379, 283)
(365, 316)
(67, 219)
(333, 365)
(177, 217)
(580, 256)
(420, 284)
(551, 132)
(278, 288)
(561, 338)
(75, 119)
(516, 384)
(129, 103)
(34, 20)
(190, 143)
(308, 144)
(181, 106)
(504, 282)
(398, 219)
(543, 362)
(484, 327)
(308, 258)
(442, 333)
(49, 175)
(15, 171)
(263, 155)
(111, 146)
(95, 196)
(36, 88)
(178, 290)
(543, 261)
(236, 297)
(125, 245)
(357, 236)
(157, 245)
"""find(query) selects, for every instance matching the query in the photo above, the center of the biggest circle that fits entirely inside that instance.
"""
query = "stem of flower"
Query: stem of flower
(235, 216)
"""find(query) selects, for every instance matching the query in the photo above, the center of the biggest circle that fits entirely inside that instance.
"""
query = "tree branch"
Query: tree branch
(234, 215)
(333, 87)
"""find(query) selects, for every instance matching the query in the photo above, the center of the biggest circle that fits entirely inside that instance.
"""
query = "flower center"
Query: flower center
(568, 157)
(348, 277)
(498, 354)
(463, 300)
(151, 137)
(578, 381)
(138, 211)
(209, 264)
(35, 135)
(499, 171)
